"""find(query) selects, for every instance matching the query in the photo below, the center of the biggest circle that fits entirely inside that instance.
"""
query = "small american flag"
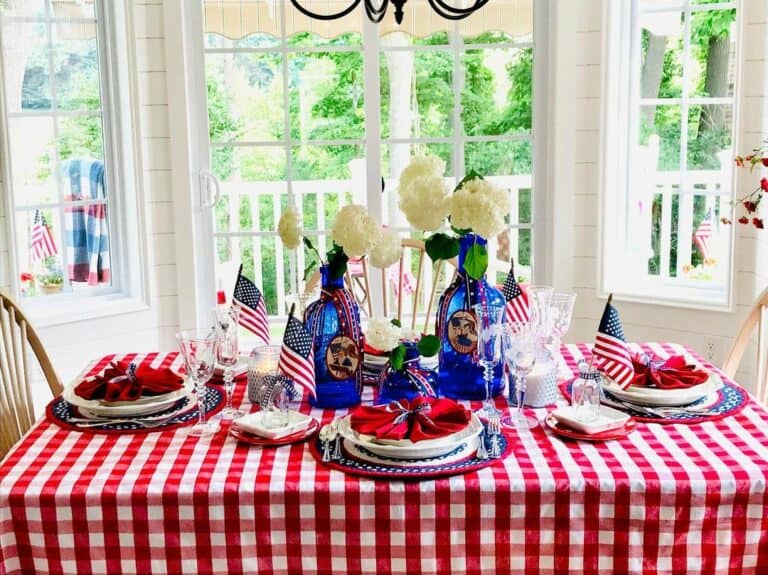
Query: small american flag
(611, 349)
(43, 245)
(702, 234)
(253, 311)
(517, 300)
(296, 360)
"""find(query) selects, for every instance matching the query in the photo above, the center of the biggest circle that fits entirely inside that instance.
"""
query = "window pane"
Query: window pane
(80, 137)
(248, 163)
(32, 160)
(660, 133)
(76, 65)
(26, 63)
(245, 97)
(429, 111)
(326, 95)
(308, 39)
(329, 163)
(499, 158)
(497, 95)
(490, 37)
(252, 41)
(709, 137)
(661, 71)
(712, 66)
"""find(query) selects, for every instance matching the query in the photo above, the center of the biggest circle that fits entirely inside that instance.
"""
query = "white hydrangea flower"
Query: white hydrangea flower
(424, 203)
(355, 231)
(382, 334)
(480, 206)
(421, 166)
(408, 334)
(289, 228)
(387, 251)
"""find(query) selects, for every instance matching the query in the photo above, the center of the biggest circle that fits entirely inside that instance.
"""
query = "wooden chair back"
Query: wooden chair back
(755, 320)
(17, 337)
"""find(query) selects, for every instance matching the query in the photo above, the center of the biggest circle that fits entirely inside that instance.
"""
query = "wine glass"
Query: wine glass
(520, 357)
(562, 310)
(227, 353)
(540, 305)
(199, 350)
(489, 332)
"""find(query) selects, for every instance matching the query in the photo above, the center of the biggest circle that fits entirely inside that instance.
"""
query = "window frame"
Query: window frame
(128, 291)
(192, 32)
(620, 103)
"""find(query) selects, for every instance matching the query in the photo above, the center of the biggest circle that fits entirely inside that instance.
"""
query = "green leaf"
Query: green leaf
(476, 261)
(441, 247)
(429, 345)
(311, 266)
(461, 231)
(337, 262)
(311, 247)
(396, 323)
(471, 175)
(397, 357)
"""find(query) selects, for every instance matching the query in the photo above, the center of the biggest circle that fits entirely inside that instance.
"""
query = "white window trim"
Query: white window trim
(128, 253)
(616, 100)
(184, 44)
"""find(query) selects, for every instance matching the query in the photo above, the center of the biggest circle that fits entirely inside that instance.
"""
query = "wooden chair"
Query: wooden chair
(416, 250)
(755, 319)
(17, 336)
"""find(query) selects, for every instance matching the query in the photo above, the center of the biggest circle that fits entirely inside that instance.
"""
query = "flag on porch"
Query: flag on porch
(253, 311)
(611, 349)
(296, 361)
(702, 234)
(43, 245)
(517, 299)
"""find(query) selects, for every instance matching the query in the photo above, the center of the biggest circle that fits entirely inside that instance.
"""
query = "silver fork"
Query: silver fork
(494, 429)
(148, 424)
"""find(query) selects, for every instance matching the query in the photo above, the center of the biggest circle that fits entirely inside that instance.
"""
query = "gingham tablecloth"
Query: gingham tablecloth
(667, 499)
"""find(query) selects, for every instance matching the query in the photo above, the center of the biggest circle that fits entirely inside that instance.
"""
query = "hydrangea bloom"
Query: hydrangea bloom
(289, 228)
(355, 231)
(480, 206)
(387, 251)
(424, 203)
(382, 334)
(421, 166)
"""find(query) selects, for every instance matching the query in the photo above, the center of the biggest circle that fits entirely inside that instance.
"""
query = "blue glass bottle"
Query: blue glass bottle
(334, 322)
(408, 382)
(460, 376)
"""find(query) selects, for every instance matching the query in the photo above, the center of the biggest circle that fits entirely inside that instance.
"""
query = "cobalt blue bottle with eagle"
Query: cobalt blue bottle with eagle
(337, 339)
(460, 375)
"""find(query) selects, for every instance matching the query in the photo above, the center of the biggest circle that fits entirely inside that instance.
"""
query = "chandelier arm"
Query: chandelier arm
(376, 15)
(335, 16)
(454, 13)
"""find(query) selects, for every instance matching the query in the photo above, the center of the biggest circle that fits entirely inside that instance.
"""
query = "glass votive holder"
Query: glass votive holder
(262, 369)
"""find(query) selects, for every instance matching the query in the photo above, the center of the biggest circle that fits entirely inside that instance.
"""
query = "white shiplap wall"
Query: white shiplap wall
(73, 345)
(698, 329)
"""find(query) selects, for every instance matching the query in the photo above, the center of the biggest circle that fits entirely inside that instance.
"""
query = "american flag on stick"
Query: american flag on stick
(610, 348)
(702, 234)
(43, 245)
(517, 300)
(296, 361)
(253, 311)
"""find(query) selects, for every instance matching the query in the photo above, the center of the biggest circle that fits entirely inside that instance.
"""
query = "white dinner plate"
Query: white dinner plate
(407, 449)
(653, 396)
(459, 451)
(142, 406)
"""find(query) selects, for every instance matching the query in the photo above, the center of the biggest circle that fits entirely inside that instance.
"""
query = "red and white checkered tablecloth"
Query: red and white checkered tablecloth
(676, 499)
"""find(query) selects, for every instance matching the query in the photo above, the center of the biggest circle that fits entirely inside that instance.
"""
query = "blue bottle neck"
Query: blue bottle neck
(465, 243)
(327, 282)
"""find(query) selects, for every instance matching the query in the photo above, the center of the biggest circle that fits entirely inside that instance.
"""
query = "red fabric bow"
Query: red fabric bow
(418, 419)
(124, 381)
(670, 373)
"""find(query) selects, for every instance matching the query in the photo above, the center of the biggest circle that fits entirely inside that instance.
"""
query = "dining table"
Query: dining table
(686, 497)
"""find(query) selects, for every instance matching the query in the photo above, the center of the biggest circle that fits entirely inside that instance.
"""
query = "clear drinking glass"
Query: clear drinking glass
(227, 354)
(540, 306)
(199, 350)
(586, 392)
(520, 357)
(562, 310)
(489, 339)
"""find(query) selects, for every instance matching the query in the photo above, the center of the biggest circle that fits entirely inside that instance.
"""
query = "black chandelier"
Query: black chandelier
(377, 13)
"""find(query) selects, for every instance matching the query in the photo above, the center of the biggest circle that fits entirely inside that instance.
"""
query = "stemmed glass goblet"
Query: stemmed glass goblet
(489, 340)
(227, 353)
(199, 350)
(562, 310)
(520, 357)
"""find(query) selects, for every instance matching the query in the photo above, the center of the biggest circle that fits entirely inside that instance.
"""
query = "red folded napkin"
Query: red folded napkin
(418, 419)
(670, 373)
(124, 381)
